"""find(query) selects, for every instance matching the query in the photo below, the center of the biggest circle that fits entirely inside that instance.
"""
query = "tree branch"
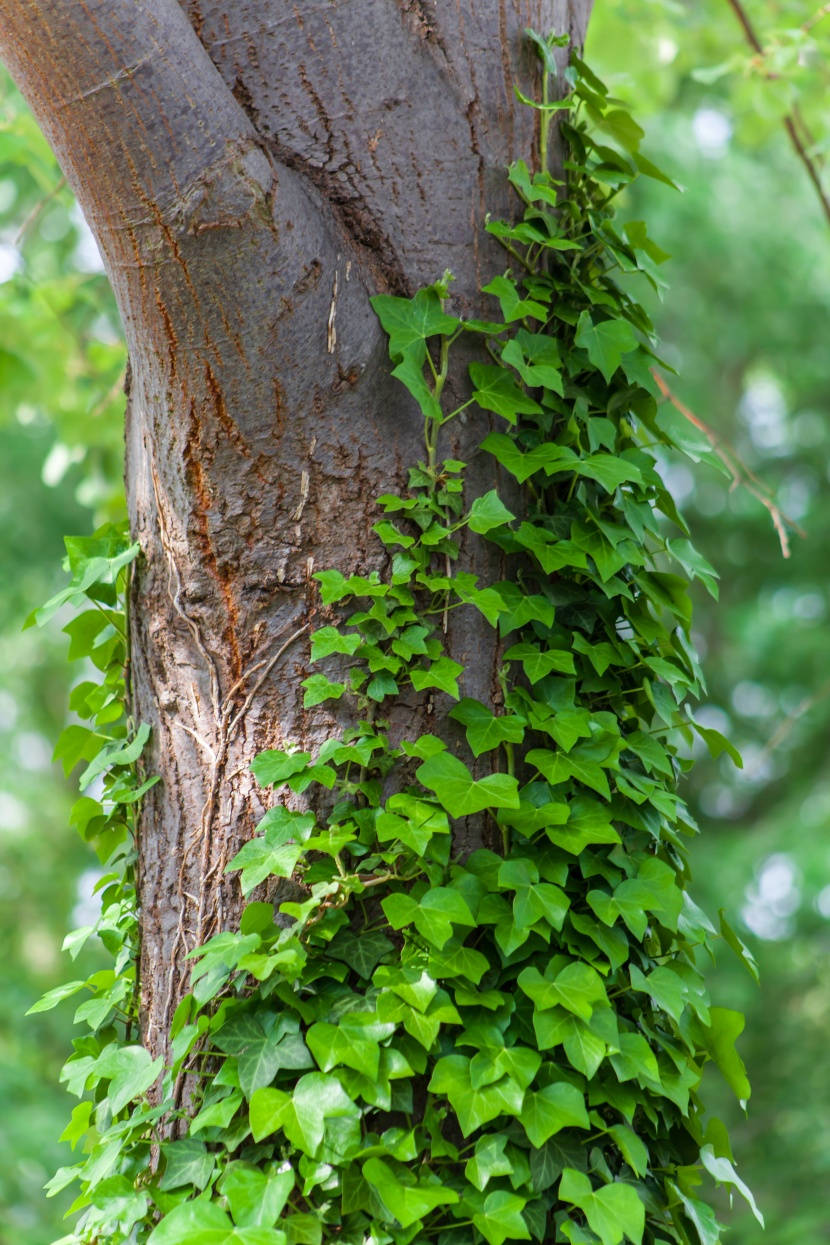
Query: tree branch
(789, 120)
(741, 474)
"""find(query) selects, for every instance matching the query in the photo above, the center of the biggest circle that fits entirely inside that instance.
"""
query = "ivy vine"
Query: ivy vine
(420, 1046)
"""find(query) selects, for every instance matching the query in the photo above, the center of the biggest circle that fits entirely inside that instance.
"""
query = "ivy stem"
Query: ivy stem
(545, 123)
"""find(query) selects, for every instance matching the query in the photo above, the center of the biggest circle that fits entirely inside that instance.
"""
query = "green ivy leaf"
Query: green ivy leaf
(556, 1107)
(488, 512)
(256, 1198)
(301, 1115)
(362, 953)
(488, 1162)
(494, 389)
(318, 689)
(275, 854)
(501, 1219)
(186, 1162)
(537, 663)
(724, 1173)
(606, 342)
(410, 322)
(612, 1211)
(203, 1223)
(328, 640)
(483, 729)
(441, 674)
(461, 794)
(273, 767)
(407, 1203)
(725, 1028)
(131, 1070)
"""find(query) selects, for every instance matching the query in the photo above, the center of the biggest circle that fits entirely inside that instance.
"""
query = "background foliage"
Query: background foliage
(746, 324)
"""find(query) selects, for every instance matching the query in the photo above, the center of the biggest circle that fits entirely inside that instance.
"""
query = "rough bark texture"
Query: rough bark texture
(254, 170)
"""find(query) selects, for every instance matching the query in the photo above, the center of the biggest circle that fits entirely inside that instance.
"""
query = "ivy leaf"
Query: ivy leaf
(664, 986)
(302, 1114)
(410, 373)
(702, 1216)
(52, 997)
(558, 767)
(273, 767)
(609, 472)
(353, 1041)
(328, 640)
(548, 457)
(362, 953)
(407, 1203)
(578, 988)
(513, 306)
(725, 1028)
(459, 793)
(131, 1071)
(633, 1150)
(117, 753)
(556, 1107)
(606, 342)
(716, 742)
(548, 1163)
(203, 1223)
(545, 50)
(734, 942)
(495, 390)
(217, 1114)
(488, 1161)
(433, 915)
(277, 852)
(259, 1063)
(536, 375)
(483, 729)
(694, 564)
(488, 512)
(441, 674)
(622, 127)
(612, 1211)
(537, 663)
(501, 1218)
(724, 1173)
(410, 322)
(256, 1198)
(318, 688)
(414, 822)
(474, 1107)
(186, 1162)
(635, 1060)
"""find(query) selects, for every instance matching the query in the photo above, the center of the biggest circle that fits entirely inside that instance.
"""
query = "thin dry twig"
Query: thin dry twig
(36, 211)
(789, 120)
(785, 727)
(816, 18)
(741, 475)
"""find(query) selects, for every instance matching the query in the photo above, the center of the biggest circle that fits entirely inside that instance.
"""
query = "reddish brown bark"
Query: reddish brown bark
(254, 170)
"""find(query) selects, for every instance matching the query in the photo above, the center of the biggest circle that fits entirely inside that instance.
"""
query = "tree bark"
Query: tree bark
(254, 170)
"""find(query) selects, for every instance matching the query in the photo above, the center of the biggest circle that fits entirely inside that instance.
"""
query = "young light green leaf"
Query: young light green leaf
(318, 689)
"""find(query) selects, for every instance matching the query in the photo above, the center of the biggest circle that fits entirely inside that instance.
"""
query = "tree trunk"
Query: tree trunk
(254, 170)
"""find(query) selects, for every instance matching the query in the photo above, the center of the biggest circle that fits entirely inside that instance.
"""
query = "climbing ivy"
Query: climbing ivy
(415, 1045)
